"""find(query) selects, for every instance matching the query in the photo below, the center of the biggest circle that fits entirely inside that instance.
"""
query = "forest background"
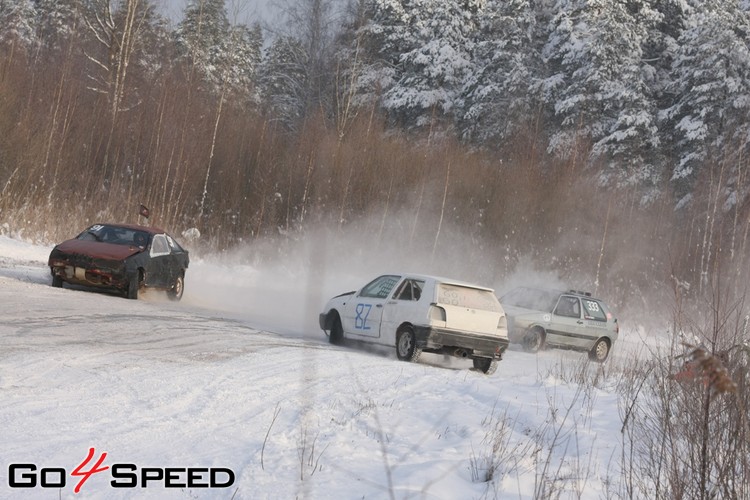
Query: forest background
(604, 141)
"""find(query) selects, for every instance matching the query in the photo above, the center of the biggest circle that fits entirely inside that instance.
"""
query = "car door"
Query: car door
(567, 328)
(176, 259)
(363, 314)
(158, 272)
(404, 305)
(594, 320)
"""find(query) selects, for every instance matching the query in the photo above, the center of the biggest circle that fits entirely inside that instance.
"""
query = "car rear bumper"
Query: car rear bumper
(459, 343)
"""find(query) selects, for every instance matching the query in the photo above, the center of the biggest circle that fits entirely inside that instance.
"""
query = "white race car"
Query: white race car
(417, 313)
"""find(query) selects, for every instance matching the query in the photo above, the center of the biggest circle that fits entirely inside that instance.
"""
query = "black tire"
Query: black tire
(533, 341)
(600, 351)
(406, 345)
(175, 293)
(336, 337)
(57, 281)
(485, 365)
(133, 286)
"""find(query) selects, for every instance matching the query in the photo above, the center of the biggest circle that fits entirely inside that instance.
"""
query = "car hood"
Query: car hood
(97, 249)
(517, 311)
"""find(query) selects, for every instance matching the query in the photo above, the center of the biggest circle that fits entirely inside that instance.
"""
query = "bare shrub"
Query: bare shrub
(686, 435)
(498, 454)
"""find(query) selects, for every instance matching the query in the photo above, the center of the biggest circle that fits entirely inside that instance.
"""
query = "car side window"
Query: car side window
(159, 246)
(173, 244)
(409, 290)
(592, 309)
(380, 287)
(569, 307)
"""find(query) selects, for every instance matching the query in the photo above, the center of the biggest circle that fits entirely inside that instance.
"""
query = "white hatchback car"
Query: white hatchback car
(417, 313)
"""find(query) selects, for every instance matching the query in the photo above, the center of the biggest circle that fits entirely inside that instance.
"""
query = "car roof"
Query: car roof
(442, 279)
(577, 293)
(135, 227)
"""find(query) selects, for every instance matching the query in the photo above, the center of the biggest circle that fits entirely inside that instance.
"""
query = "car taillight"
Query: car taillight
(437, 313)
(502, 323)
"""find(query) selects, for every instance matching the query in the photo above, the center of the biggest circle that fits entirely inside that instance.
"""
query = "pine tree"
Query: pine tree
(202, 39)
(418, 55)
(282, 81)
(17, 23)
(242, 60)
(223, 55)
(57, 21)
(598, 91)
(711, 85)
(501, 89)
(312, 23)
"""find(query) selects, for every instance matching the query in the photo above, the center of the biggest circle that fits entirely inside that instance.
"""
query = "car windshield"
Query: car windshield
(531, 298)
(464, 296)
(116, 235)
(380, 287)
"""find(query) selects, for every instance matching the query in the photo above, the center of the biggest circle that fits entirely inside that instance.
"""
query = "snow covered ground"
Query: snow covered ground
(238, 376)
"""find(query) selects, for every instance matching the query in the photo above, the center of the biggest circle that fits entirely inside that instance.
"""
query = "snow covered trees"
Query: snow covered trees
(222, 54)
(282, 80)
(640, 91)
(417, 54)
(501, 90)
(597, 88)
(18, 19)
(710, 84)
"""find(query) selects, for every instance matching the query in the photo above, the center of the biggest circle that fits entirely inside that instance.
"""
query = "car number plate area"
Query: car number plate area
(470, 320)
(80, 273)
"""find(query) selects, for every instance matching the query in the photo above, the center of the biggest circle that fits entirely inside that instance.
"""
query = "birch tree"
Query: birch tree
(117, 32)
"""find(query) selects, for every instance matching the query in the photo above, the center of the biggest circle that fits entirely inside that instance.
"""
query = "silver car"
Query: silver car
(570, 319)
(416, 313)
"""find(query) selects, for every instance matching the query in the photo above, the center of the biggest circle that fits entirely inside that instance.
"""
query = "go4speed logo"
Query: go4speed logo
(122, 475)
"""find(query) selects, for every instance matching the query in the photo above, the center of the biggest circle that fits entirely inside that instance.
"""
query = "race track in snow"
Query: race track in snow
(207, 383)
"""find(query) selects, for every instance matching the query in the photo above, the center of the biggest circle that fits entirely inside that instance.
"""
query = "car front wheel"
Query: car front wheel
(133, 287)
(336, 336)
(533, 340)
(56, 281)
(600, 351)
(175, 293)
(406, 345)
(485, 365)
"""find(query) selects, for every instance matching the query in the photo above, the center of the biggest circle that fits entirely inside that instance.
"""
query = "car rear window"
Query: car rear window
(464, 296)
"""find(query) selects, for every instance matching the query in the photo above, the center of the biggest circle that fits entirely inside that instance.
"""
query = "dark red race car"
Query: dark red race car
(121, 257)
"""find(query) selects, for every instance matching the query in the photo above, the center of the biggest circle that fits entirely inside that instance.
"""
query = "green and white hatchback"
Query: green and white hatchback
(539, 318)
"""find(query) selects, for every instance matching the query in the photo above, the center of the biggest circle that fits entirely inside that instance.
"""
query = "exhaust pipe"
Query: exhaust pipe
(461, 353)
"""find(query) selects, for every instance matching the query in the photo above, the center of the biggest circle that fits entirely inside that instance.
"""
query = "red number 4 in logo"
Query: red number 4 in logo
(85, 474)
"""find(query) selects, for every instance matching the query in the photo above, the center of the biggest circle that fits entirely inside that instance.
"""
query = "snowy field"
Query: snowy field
(238, 376)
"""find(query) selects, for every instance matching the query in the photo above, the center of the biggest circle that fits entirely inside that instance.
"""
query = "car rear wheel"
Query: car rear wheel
(175, 293)
(533, 340)
(336, 336)
(56, 281)
(406, 345)
(600, 351)
(485, 365)
(133, 286)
